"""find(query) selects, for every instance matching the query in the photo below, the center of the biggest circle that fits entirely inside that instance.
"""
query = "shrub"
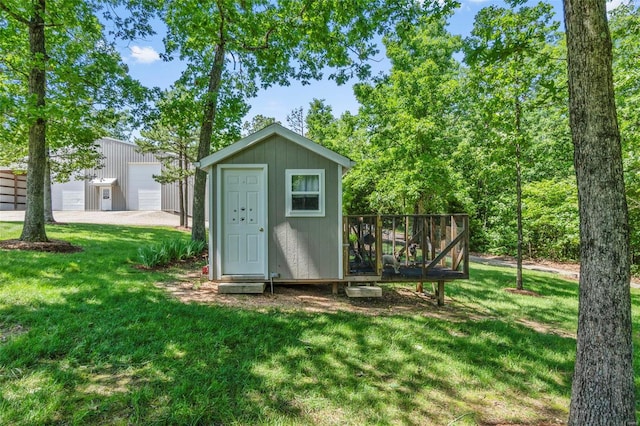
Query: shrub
(166, 252)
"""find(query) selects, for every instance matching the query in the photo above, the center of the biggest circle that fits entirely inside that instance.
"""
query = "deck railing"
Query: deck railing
(406, 247)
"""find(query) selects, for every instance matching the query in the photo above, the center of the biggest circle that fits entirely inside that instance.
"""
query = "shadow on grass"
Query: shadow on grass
(98, 343)
(104, 355)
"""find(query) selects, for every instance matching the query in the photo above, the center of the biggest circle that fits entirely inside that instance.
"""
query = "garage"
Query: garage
(143, 192)
(123, 181)
(68, 196)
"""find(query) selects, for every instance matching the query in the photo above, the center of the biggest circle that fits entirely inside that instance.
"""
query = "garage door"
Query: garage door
(72, 200)
(143, 192)
(68, 195)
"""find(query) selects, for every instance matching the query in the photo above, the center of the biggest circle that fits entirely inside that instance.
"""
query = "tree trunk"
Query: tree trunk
(518, 111)
(33, 228)
(181, 205)
(48, 208)
(186, 199)
(198, 231)
(603, 383)
(186, 191)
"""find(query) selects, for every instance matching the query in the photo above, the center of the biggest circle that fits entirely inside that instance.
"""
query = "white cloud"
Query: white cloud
(144, 55)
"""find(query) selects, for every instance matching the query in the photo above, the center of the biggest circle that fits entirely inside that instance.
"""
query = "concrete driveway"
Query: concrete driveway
(150, 218)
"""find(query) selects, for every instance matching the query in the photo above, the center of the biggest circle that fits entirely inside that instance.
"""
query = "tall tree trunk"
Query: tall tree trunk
(48, 207)
(33, 228)
(518, 111)
(603, 384)
(186, 191)
(198, 232)
(186, 198)
(181, 206)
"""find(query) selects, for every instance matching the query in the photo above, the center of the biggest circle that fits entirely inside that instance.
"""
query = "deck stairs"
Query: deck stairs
(363, 291)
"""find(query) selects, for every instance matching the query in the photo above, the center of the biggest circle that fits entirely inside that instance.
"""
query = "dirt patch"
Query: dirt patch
(51, 246)
(9, 331)
(545, 328)
(565, 266)
(195, 288)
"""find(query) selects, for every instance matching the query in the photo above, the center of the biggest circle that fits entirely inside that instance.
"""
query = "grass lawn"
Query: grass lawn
(87, 338)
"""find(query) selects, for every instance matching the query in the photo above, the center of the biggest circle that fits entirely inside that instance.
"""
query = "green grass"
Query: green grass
(87, 338)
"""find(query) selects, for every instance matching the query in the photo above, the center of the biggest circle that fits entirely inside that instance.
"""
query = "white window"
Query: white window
(305, 192)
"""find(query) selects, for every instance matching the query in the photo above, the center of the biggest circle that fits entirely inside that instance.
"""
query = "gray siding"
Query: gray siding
(299, 247)
(119, 156)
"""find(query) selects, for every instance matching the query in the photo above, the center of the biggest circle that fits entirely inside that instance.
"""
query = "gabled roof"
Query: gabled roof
(262, 135)
(110, 139)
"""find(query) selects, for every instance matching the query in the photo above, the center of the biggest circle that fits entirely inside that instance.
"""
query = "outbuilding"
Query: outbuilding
(123, 181)
(275, 209)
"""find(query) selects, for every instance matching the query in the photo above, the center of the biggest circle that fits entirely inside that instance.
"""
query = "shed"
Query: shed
(275, 208)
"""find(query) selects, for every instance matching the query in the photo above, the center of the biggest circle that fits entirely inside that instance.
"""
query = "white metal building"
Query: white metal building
(124, 182)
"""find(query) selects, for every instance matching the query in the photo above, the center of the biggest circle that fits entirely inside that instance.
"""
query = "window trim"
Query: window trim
(289, 174)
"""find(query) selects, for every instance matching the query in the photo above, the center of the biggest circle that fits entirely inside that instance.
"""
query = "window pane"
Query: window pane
(305, 183)
(305, 202)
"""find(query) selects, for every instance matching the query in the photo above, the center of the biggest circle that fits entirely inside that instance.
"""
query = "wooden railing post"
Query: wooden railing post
(443, 236)
(454, 234)
(465, 268)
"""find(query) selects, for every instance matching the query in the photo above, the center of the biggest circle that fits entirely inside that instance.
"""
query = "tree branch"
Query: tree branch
(267, 35)
(13, 14)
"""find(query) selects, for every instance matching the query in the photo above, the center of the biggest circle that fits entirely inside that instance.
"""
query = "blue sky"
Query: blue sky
(145, 65)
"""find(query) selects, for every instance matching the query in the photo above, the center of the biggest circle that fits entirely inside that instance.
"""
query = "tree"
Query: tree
(321, 124)
(603, 383)
(33, 18)
(266, 43)
(258, 122)
(296, 120)
(624, 24)
(409, 117)
(172, 137)
(510, 62)
(58, 61)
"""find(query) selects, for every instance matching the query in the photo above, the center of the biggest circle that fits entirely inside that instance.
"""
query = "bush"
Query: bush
(551, 219)
(166, 252)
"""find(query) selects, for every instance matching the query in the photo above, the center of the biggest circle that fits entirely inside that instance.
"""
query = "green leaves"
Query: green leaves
(404, 167)
(169, 251)
(516, 109)
(87, 83)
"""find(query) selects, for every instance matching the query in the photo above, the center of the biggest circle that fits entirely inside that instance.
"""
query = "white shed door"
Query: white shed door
(144, 193)
(72, 200)
(244, 221)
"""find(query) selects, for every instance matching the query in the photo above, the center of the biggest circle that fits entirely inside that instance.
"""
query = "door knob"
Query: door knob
(261, 229)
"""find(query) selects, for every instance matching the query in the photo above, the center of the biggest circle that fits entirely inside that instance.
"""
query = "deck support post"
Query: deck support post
(334, 288)
(419, 287)
(440, 293)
